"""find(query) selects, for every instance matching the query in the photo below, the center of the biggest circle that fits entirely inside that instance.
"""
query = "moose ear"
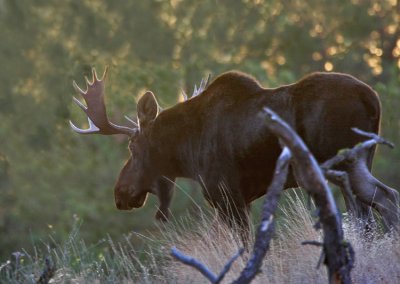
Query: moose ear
(147, 108)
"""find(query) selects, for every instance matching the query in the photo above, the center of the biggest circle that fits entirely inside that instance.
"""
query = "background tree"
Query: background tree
(54, 177)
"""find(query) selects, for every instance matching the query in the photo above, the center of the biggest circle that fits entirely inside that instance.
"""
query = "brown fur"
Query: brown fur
(218, 139)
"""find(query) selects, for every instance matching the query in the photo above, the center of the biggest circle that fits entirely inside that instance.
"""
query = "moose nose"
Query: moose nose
(122, 204)
(121, 195)
(118, 203)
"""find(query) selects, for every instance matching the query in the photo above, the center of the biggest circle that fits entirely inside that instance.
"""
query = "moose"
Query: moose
(216, 138)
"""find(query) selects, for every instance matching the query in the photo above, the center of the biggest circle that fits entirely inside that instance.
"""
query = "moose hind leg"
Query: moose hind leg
(372, 192)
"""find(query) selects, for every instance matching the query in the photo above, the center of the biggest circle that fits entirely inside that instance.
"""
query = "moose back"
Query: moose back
(217, 138)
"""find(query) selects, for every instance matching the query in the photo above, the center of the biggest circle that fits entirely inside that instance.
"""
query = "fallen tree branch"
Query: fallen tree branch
(351, 154)
(202, 268)
(266, 228)
(310, 176)
(373, 136)
(312, 243)
(341, 179)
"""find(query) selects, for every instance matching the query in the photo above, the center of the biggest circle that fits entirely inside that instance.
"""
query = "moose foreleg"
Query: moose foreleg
(164, 190)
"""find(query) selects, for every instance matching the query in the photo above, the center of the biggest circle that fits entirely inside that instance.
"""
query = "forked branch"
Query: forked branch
(202, 268)
(310, 176)
(351, 154)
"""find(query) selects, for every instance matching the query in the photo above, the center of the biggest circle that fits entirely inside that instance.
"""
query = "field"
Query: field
(205, 238)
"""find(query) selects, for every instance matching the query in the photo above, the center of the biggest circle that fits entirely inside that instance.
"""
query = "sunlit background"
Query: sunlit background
(51, 178)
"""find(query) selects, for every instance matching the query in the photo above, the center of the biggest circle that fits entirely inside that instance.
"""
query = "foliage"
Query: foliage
(50, 176)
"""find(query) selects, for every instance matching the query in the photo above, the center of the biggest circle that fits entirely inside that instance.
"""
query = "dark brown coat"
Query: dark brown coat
(218, 139)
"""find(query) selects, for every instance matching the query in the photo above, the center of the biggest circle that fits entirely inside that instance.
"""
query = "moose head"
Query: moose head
(138, 177)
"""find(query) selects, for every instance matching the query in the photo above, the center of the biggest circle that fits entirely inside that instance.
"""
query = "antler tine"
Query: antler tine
(195, 91)
(92, 128)
(202, 84)
(96, 78)
(95, 109)
(78, 89)
(208, 80)
(131, 121)
(105, 73)
(94, 75)
(88, 83)
(81, 105)
(184, 95)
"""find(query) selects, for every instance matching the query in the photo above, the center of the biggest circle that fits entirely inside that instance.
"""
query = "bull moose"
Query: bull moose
(216, 138)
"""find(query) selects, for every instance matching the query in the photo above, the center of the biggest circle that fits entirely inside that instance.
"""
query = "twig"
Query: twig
(191, 261)
(377, 138)
(202, 268)
(266, 228)
(351, 154)
(228, 265)
(320, 259)
(317, 244)
(312, 243)
(342, 179)
(310, 176)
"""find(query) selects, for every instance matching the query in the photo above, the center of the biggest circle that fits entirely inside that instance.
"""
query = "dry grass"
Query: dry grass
(287, 261)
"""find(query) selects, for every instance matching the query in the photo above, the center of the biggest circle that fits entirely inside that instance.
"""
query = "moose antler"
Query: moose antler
(197, 91)
(95, 109)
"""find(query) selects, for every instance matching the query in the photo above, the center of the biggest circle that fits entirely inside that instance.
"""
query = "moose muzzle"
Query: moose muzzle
(127, 199)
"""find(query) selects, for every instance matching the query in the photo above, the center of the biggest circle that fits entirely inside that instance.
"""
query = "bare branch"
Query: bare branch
(266, 228)
(228, 265)
(377, 138)
(341, 179)
(310, 176)
(351, 154)
(198, 265)
(202, 268)
(312, 243)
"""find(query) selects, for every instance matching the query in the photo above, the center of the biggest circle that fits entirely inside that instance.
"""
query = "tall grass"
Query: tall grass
(377, 258)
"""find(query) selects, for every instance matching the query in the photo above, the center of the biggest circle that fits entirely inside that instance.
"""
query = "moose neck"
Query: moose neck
(175, 134)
